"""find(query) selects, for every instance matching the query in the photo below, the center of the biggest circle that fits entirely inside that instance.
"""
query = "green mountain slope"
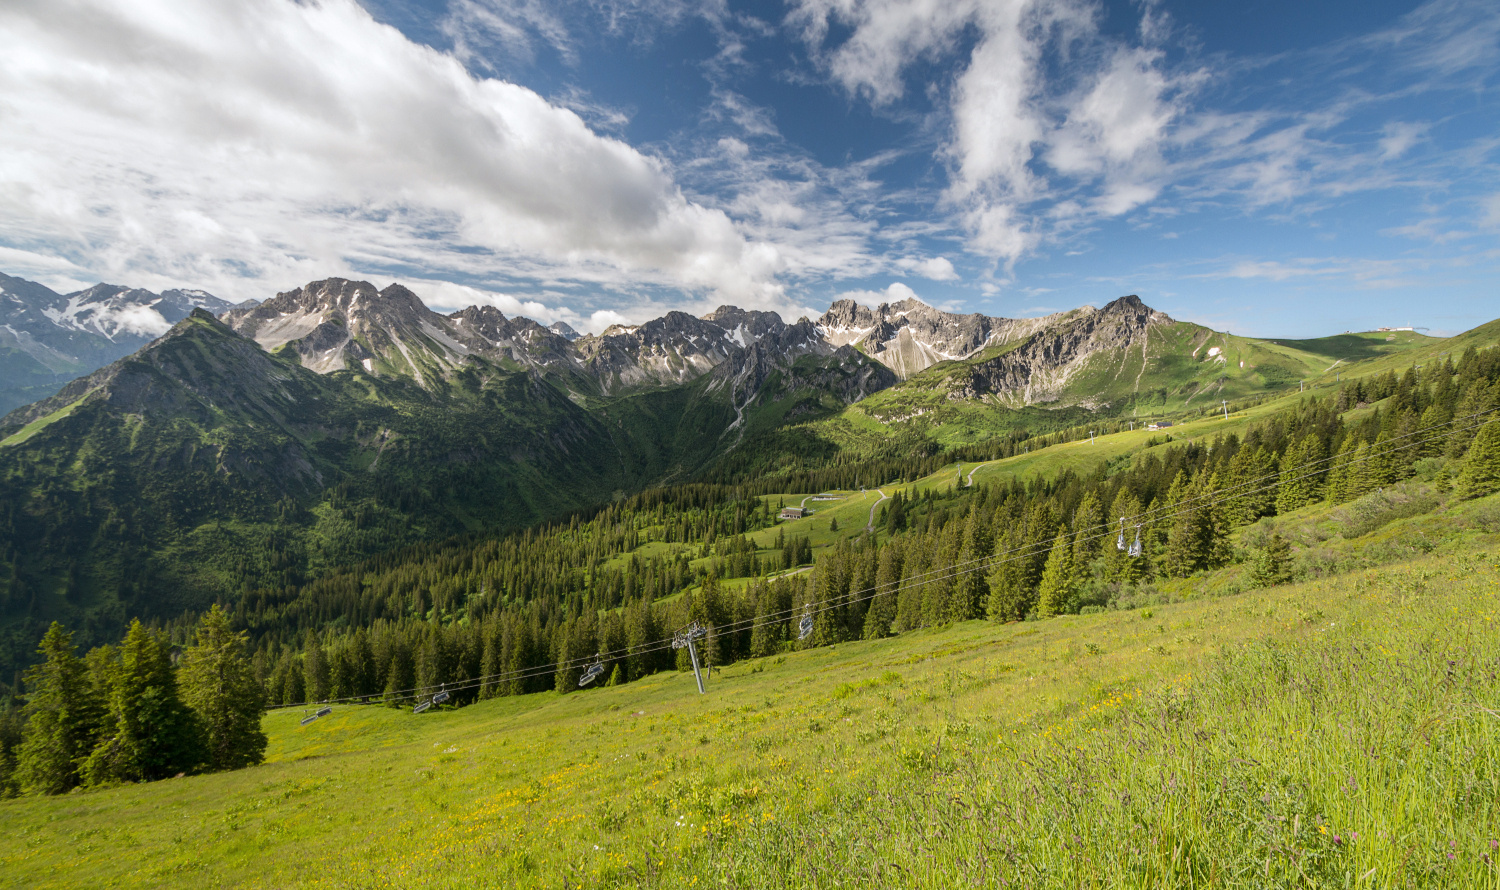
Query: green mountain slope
(204, 466)
(1121, 363)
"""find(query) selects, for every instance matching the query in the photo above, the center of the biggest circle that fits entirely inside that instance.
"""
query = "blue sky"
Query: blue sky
(1270, 168)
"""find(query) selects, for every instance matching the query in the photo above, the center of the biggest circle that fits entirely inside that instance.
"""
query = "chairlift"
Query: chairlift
(684, 639)
(692, 634)
(1135, 548)
(805, 626)
(441, 697)
(592, 672)
(309, 719)
(422, 707)
(1120, 541)
(323, 712)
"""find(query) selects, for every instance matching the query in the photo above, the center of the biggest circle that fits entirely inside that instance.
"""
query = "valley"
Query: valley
(991, 624)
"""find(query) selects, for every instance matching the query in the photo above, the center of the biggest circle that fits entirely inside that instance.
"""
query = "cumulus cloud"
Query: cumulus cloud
(935, 268)
(1044, 106)
(895, 292)
(249, 146)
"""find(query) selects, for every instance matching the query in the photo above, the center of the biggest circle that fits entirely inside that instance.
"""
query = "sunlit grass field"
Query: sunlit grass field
(1342, 732)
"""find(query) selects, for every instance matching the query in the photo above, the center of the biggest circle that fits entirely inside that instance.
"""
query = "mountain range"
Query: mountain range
(257, 446)
(47, 338)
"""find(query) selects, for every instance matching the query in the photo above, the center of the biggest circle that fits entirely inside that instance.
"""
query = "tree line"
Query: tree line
(136, 712)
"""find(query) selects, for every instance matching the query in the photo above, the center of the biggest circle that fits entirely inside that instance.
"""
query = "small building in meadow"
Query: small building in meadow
(792, 513)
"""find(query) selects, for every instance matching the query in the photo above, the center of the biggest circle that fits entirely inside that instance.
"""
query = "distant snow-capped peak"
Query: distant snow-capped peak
(117, 312)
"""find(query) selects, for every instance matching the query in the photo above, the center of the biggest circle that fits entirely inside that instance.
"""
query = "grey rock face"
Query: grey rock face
(564, 330)
(1038, 370)
(910, 336)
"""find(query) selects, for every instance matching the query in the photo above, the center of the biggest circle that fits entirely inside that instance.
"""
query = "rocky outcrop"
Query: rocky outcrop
(1039, 369)
(911, 336)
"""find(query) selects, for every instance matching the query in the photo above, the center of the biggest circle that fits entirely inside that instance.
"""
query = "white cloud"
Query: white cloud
(935, 268)
(895, 292)
(251, 146)
(142, 320)
(1489, 209)
(1398, 138)
(1044, 106)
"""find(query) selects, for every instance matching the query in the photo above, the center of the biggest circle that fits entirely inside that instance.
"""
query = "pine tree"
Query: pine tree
(64, 713)
(400, 676)
(1480, 474)
(1273, 563)
(895, 517)
(154, 733)
(882, 612)
(491, 660)
(1089, 536)
(220, 688)
(1302, 472)
(316, 679)
(1057, 578)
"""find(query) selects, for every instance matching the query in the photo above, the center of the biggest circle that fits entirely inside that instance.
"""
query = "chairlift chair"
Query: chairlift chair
(592, 672)
(441, 697)
(1120, 541)
(1135, 548)
(422, 707)
(309, 719)
(805, 626)
(323, 712)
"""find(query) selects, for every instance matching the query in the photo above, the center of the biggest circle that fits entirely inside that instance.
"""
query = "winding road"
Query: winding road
(870, 526)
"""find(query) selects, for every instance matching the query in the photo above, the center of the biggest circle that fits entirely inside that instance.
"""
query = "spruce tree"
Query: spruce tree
(1273, 562)
(895, 517)
(1057, 578)
(1301, 474)
(220, 688)
(316, 677)
(401, 678)
(882, 611)
(1089, 538)
(491, 658)
(64, 713)
(154, 735)
(971, 590)
(1480, 474)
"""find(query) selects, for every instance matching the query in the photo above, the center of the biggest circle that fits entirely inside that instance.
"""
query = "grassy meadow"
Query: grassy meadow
(1341, 732)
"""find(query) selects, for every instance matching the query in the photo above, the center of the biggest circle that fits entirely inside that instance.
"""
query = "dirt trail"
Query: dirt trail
(870, 526)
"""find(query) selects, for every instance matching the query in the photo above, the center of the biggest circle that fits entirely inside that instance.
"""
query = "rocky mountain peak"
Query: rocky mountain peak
(56, 337)
(564, 330)
(745, 324)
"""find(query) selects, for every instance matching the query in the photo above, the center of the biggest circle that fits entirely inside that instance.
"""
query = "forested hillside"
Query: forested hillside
(207, 469)
(525, 612)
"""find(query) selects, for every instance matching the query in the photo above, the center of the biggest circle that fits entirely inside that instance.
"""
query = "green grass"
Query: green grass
(1340, 732)
(31, 429)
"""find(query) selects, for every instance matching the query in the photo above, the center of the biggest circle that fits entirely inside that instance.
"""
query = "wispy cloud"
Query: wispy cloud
(1055, 126)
